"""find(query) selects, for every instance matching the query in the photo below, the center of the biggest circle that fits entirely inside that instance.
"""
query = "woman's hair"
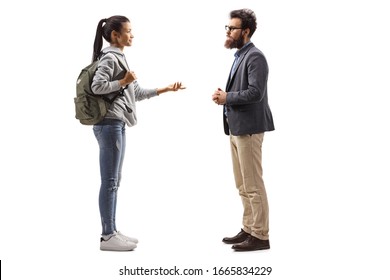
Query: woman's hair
(248, 19)
(104, 29)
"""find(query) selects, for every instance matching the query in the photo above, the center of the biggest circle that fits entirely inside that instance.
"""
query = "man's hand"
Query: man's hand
(219, 97)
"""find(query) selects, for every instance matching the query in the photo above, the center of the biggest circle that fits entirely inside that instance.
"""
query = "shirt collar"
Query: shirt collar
(240, 51)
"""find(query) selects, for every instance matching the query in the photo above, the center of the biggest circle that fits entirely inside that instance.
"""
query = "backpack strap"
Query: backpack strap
(122, 90)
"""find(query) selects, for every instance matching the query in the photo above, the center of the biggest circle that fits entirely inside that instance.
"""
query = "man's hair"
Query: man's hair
(248, 19)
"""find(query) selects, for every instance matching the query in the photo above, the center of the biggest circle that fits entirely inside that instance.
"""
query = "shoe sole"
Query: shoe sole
(116, 249)
(247, 250)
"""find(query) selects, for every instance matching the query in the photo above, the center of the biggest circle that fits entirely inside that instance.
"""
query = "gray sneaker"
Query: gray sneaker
(128, 238)
(115, 242)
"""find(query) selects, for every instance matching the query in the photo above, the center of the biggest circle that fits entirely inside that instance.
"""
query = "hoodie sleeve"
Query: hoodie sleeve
(103, 82)
(141, 93)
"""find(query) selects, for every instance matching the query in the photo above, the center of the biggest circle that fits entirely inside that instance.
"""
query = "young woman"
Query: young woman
(112, 76)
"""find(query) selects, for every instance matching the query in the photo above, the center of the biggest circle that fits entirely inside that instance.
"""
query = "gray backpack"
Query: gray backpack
(91, 108)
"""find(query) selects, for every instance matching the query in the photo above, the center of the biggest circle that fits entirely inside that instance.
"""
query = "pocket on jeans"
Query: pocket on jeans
(97, 130)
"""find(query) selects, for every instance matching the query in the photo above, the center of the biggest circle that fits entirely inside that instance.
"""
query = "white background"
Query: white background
(324, 165)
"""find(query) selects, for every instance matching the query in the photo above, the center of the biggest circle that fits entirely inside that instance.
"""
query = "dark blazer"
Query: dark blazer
(247, 106)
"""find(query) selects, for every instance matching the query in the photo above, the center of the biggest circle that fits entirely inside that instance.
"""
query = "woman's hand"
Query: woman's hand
(176, 86)
(128, 79)
(172, 87)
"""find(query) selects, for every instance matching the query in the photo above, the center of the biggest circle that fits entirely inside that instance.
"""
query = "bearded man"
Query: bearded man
(246, 117)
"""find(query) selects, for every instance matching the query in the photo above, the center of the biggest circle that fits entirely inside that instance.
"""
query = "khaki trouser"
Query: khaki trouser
(248, 174)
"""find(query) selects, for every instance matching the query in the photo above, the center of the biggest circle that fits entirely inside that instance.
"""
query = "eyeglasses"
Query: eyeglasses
(231, 28)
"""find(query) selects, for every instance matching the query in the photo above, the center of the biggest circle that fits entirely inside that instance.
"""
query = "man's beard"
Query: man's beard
(230, 43)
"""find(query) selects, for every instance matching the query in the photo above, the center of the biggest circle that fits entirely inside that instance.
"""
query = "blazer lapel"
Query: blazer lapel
(241, 58)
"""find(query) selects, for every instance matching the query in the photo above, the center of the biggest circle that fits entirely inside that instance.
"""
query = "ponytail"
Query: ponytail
(113, 23)
(98, 44)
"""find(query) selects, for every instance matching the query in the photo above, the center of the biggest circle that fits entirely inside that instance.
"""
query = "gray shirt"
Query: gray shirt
(105, 81)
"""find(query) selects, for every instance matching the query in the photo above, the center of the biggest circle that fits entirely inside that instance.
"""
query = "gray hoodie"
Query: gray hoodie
(106, 81)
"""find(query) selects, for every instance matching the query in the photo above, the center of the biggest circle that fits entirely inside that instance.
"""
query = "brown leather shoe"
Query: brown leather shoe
(240, 237)
(251, 244)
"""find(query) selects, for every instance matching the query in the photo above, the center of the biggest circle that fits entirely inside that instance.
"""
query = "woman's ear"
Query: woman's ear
(114, 36)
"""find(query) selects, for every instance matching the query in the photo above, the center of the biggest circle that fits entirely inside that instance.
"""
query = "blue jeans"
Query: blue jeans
(111, 137)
